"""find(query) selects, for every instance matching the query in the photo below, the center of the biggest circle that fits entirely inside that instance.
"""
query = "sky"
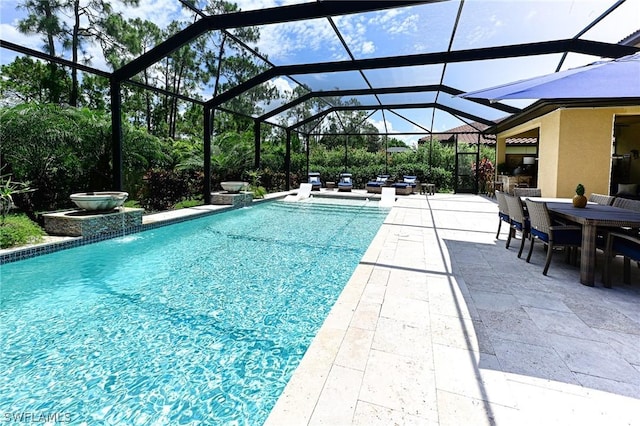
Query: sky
(402, 31)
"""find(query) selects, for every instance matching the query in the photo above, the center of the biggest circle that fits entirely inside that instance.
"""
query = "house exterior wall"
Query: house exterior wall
(549, 154)
(575, 146)
(584, 150)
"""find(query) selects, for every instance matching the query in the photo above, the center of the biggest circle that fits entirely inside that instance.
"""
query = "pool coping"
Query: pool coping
(55, 243)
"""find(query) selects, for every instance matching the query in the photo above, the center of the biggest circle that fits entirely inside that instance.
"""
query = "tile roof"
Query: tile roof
(468, 133)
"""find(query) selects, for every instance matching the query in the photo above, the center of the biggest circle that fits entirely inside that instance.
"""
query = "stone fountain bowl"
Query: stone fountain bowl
(95, 201)
(233, 186)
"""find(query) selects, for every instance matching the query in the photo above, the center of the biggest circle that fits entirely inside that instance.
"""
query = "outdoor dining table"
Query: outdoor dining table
(590, 218)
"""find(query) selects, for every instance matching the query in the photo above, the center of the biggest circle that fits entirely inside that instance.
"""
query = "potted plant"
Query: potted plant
(579, 200)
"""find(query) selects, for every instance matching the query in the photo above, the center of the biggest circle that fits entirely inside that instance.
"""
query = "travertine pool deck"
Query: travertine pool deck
(441, 325)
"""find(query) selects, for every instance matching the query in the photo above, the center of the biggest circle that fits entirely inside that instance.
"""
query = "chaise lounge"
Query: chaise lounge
(345, 183)
(314, 180)
(412, 181)
(402, 188)
(377, 185)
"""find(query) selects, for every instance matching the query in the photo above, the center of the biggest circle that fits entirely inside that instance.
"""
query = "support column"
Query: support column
(256, 139)
(116, 134)
(208, 125)
(307, 140)
(287, 161)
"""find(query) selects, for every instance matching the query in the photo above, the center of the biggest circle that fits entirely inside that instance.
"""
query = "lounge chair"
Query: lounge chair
(412, 181)
(402, 188)
(388, 197)
(375, 186)
(314, 180)
(303, 193)
(345, 183)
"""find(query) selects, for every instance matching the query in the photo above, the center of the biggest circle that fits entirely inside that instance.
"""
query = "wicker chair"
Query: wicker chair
(519, 222)
(604, 200)
(546, 231)
(626, 245)
(527, 192)
(625, 203)
(503, 211)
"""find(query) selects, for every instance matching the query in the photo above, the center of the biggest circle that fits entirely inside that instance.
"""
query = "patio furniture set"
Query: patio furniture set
(407, 186)
(608, 223)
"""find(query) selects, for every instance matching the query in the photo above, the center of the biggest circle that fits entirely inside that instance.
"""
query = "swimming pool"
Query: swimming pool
(197, 323)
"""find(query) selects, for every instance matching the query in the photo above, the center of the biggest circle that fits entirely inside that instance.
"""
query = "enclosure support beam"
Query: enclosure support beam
(308, 149)
(208, 125)
(116, 134)
(287, 161)
(256, 140)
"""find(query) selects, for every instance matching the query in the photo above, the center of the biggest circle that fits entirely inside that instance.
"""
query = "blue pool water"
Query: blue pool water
(197, 323)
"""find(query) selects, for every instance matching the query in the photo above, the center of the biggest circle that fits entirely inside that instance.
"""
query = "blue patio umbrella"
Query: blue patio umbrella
(618, 78)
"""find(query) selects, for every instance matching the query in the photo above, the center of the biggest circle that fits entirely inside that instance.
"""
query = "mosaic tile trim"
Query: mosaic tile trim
(39, 250)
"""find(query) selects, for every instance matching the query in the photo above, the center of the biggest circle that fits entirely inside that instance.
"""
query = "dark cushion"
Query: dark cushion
(627, 190)
(626, 248)
(571, 237)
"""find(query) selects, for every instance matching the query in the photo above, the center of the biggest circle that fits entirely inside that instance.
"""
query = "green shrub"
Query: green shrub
(18, 230)
(188, 203)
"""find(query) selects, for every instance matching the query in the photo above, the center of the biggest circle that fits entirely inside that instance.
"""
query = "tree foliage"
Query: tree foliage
(61, 150)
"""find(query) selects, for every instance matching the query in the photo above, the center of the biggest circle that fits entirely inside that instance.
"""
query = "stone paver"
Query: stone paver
(440, 324)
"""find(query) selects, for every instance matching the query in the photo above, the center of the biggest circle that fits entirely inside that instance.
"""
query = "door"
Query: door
(465, 181)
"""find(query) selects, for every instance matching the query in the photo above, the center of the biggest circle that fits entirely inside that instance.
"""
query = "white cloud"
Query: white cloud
(380, 125)
(160, 12)
(10, 33)
(283, 41)
(408, 25)
(283, 86)
(368, 47)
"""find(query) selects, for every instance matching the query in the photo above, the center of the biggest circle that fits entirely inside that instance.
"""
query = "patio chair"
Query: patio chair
(604, 200)
(626, 245)
(402, 188)
(518, 221)
(544, 229)
(314, 180)
(412, 181)
(626, 203)
(527, 192)
(345, 183)
(375, 186)
(503, 211)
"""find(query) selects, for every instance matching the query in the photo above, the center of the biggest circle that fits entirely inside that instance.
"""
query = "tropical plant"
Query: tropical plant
(484, 171)
(255, 186)
(8, 189)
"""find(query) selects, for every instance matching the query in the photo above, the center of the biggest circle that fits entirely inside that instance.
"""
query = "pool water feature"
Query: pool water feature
(197, 323)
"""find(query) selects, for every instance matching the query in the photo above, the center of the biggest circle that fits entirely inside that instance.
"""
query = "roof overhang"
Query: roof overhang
(543, 107)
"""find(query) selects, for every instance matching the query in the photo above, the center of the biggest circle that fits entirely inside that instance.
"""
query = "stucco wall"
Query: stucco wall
(584, 150)
(548, 154)
(574, 147)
